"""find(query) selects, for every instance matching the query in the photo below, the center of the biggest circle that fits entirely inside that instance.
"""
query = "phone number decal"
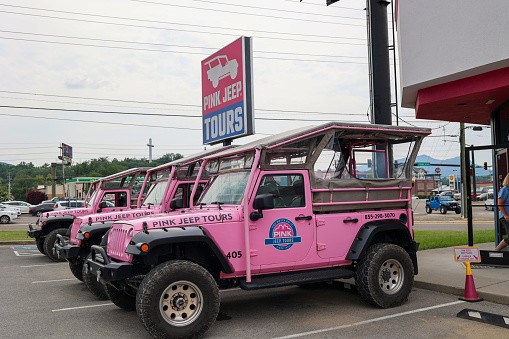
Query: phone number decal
(380, 216)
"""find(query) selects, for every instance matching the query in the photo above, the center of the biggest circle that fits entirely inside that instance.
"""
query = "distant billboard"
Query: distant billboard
(227, 87)
(66, 152)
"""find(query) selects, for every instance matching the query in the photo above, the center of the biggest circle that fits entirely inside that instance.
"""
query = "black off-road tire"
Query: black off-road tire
(49, 243)
(94, 286)
(40, 245)
(178, 299)
(122, 299)
(457, 210)
(443, 209)
(428, 209)
(385, 275)
(77, 269)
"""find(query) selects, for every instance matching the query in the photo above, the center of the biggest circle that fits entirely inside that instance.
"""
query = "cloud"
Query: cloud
(85, 82)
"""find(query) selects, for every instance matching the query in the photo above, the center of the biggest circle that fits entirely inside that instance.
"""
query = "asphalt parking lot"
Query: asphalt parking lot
(42, 299)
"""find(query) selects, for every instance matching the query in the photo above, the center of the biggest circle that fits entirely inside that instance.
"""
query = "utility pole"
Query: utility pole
(53, 179)
(150, 146)
(9, 182)
(464, 211)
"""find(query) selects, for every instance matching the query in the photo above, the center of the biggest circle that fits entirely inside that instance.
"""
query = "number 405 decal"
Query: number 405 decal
(234, 255)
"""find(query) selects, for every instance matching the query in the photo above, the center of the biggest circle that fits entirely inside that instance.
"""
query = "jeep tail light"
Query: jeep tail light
(86, 235)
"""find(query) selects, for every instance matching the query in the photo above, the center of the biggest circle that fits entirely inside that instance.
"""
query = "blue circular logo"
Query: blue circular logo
(282, 235)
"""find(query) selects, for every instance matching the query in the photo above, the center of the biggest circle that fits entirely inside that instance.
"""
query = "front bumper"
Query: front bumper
(105, 270)
(66, 250)
(33, 233)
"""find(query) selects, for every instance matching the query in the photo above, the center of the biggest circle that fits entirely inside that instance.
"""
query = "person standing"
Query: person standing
(503, 211)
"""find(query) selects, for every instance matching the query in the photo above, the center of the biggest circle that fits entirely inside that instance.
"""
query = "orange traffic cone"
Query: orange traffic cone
(470, 293)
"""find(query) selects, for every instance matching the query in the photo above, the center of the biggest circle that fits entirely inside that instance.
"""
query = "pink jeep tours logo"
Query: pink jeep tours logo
(282, 235)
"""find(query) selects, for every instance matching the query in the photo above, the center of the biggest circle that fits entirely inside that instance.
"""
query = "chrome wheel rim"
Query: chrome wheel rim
(391, 276)
(181, 303)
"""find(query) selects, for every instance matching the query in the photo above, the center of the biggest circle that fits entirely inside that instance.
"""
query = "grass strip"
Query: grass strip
(13, 236)
(441, 239)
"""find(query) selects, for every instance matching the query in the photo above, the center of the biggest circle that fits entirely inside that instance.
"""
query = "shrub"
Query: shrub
(36, 197)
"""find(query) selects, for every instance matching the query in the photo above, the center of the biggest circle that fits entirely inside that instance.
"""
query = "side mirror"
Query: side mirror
(176, 203)
(103, 204)
(262, 202)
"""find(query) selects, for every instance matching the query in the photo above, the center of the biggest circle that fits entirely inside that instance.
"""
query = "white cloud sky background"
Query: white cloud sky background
(333, 78)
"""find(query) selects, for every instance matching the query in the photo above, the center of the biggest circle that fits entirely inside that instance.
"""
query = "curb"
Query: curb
(494, 298)
(19, 242)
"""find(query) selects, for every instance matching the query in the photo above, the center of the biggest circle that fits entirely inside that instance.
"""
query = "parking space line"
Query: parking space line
(80, 307)
(42, 265)
(369, 321)
(24, 254)
(45, 281)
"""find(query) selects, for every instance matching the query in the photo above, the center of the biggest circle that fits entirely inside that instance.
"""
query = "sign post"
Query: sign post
(468, 254)
(227, 93)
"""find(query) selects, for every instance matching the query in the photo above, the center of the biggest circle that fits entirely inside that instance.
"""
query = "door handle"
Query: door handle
(351, 220)
(304, 218)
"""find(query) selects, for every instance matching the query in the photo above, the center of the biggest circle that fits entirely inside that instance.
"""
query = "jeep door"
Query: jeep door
(117, 200)
(284, 234)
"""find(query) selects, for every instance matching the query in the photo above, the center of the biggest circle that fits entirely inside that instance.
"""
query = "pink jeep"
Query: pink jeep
(171, 181)
(115, 192)
(300, 207)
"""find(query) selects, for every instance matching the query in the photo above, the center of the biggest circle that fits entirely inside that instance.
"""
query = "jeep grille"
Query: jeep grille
(76, 225)
(118, 239)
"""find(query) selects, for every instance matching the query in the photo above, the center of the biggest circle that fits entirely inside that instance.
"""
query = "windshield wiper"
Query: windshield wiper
(218, 203)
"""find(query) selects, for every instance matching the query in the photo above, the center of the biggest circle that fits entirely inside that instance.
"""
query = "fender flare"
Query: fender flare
(55, 221)
(396, 232)
(173, 235)
(96, 228)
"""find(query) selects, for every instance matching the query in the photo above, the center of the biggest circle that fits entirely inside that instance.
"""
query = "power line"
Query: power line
(172, 45)
(253, 7)
(167, 104)
(313, 4)
(151, 114)
(99, 122)
(163, 51)
(169, 29)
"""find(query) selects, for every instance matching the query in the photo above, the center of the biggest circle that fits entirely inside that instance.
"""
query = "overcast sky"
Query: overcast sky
(61, 57)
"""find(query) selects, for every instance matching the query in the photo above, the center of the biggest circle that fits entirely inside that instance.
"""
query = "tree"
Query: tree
(5, 196)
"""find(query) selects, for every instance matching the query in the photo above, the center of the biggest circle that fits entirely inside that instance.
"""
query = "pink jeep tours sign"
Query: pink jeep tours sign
(227, 101)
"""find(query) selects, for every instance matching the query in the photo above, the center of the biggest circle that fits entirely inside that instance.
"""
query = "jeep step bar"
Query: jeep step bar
(294, 278)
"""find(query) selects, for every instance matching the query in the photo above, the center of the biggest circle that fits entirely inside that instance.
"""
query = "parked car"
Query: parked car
(64, 205)
(12, 208)
(490, 202)
(443, 204)
(447, 194)
(23, 206)
(457, 196)
(45, 206)
(7, 215)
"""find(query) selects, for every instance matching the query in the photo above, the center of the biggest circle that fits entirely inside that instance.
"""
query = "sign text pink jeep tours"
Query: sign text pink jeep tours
(294, 208)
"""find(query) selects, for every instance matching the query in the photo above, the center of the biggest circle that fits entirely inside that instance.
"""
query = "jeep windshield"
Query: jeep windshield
(227, 188)
(91, 196)
(156, 194)
(445, 198)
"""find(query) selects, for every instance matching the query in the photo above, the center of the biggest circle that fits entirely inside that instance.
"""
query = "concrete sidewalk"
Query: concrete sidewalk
(439, 272)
